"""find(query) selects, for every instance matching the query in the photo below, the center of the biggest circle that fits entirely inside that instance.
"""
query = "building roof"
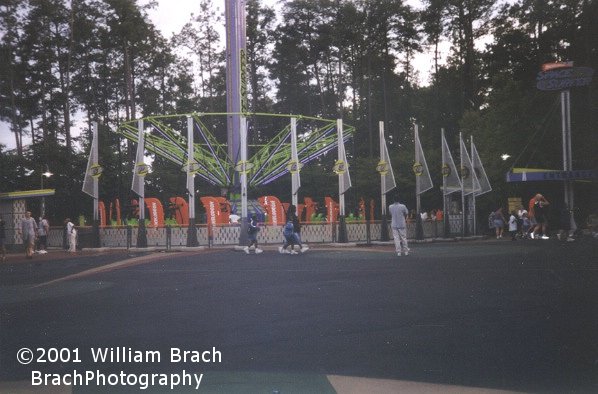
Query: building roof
(27, 194)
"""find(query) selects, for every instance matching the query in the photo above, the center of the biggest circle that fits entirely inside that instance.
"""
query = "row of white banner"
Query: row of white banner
(471, 179)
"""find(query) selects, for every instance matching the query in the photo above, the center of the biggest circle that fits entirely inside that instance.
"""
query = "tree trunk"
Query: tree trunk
(16, 126)
(67, 85)
(370, 138)
(130, 94)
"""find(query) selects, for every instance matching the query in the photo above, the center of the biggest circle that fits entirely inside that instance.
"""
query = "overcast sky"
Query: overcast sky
(170, 16)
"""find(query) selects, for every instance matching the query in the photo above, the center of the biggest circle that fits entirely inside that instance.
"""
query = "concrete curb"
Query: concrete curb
(383, 243)
(240, 248)
(431, 240)
(148, 249)
(103, 249)
(186, 249)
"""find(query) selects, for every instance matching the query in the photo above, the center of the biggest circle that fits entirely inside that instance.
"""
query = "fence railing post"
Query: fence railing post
(168, 237)
(129, 237)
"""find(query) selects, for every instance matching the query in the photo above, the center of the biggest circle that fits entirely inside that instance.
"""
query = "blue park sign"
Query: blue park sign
(564, 78)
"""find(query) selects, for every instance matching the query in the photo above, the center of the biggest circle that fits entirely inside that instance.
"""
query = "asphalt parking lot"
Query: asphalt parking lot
(520, 316)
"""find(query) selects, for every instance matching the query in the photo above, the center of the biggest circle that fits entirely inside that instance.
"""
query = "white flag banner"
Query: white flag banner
(384, 167)
(423, 181)
(192, 165)
(245, 167)
(294, 165)
(341, 167)
(450, 175)
(141, 169)
(94, 170)
(468, 176)
(478, 169)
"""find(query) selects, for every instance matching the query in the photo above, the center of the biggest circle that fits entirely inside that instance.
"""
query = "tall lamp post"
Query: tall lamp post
(46, 174)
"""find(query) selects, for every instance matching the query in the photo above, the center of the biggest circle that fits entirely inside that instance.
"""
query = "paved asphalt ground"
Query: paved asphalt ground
(520, 316)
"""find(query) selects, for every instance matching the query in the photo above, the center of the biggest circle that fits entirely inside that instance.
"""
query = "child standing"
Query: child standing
(513, 225)
(252, 231)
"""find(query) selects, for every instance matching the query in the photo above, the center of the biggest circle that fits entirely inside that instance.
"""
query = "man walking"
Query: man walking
(398, 213)
(29, 233)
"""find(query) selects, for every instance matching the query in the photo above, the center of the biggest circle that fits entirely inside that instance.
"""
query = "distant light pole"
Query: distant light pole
(46, 174)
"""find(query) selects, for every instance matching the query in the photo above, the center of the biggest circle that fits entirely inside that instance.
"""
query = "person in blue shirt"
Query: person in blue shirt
(292, 233)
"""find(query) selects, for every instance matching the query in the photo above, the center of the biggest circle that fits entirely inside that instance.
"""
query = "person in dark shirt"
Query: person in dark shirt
(540, 214)
(252, 230)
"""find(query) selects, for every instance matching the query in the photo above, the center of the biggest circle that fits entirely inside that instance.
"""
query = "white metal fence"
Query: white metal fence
(229, 234)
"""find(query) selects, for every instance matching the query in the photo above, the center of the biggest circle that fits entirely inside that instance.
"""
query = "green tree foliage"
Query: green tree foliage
(67, 64)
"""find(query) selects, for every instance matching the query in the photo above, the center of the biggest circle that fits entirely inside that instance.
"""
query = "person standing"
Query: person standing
(532, 216)
(540, 213)
(252, 230)
(513, 225)
(525, 225)
(398, 214)
(72, 235)
(43, 228)
(439, 215)
(520, 213)
(29, 233)
(2, 238)
(499, 222)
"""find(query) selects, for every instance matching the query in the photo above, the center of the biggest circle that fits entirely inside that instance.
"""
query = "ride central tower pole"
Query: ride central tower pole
(236, 80)
(567, 156)
(236, 101)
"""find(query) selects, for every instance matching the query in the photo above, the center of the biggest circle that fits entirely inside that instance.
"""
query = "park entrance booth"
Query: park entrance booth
(13, 206)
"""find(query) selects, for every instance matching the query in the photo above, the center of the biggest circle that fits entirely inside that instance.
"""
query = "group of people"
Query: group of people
(35, 235)
(292, 230)
(291, 233)
(433, 215)
(531, 223)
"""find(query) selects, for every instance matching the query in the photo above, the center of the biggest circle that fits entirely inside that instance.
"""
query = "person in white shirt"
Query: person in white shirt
(398, 213)
(71, 232)
(521, 211)
(43, 228)
(29, 233)
(513, 225)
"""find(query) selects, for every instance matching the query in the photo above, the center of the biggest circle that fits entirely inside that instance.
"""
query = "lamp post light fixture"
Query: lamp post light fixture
(505, 156)
(46, 174)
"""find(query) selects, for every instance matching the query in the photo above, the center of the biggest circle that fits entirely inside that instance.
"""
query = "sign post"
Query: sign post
(563, 76)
